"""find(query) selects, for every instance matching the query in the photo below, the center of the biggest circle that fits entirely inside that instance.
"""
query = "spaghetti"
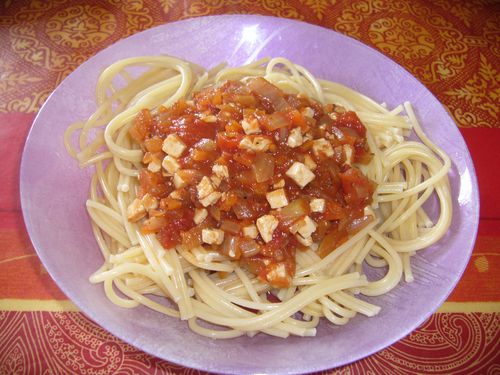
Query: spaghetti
(219, 295)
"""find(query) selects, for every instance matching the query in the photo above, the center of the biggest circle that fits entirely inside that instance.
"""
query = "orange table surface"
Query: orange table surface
(452, 47)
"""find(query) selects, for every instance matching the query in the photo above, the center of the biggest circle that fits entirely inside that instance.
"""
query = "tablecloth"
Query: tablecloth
(452, 47)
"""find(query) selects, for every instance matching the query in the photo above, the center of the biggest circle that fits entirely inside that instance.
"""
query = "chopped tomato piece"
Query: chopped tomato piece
(351, 120)
(142, 125)
(228, 144)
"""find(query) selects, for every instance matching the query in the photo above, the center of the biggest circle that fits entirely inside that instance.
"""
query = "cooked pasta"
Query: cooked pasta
(215, 290)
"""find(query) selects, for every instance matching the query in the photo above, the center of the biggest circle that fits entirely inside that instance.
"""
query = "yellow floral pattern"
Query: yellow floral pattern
(80, 26)
(70, 343)
(401, 37)
(281, 8)
(479, 98)
(440, 42)
(318, 7)
(49, 39)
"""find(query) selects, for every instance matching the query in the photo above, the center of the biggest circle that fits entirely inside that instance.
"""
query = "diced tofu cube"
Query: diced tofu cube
(304, 241)
(210, 199)
(208, 118)
(308, 111)
(204, 188)
(307, 227)
(309, 162)
(280, 184)
(220, 171)
(149, 202)
(154, 166)
(175, 195)
(266, 225)
(348, 154)
(295, 138)
(317, 205)
(212, 236)
(178, 181)
(136, 210)
(307, 137)
(277, 273)
(250, 231)
(277, 198)
(170, 165)
(256, 144)
(147, 158)
(322, 146)
(200, 214)
(300, 174)
(216, 180)
(173, 145)
(250, 126)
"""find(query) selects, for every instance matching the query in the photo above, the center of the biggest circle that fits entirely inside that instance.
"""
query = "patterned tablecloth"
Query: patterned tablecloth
(451, 46)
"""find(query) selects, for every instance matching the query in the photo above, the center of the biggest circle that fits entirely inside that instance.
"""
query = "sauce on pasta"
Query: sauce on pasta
(280, 168)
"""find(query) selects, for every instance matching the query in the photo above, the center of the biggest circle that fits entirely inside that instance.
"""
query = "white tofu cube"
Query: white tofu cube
(208, 118)
(266, 225)
(295, 138)
(149, 202)
(204, 188)
(154, 166)
(277, 198)
(179, 182)
(136, 210)
(348, 154)
(322, 146)
(175, 195)
(250, 126)
(308, 112)
(212, 236)
(170, 165)
(309, 162)
(304, 241)
(307, 137)
(277, 273)
(210, 199)
(300, 174)
(173, 145)
(307, 227)
(280, 184)
(256, 144)
(215, 181)
(317, 205)
(200, 214)
(250, 231)
(220, 171)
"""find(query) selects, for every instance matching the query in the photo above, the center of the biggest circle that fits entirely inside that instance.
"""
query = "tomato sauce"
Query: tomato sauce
(259, 134)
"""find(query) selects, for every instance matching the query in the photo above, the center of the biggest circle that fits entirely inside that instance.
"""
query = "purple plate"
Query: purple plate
(54, 190)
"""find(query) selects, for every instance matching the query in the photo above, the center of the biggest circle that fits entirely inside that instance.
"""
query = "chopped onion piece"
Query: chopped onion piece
(230, 226)
(249, 248)
(357, 224)
(263, 167)
(269, 92)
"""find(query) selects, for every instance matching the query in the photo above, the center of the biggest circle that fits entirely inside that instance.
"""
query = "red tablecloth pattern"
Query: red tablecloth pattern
(453, 47)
